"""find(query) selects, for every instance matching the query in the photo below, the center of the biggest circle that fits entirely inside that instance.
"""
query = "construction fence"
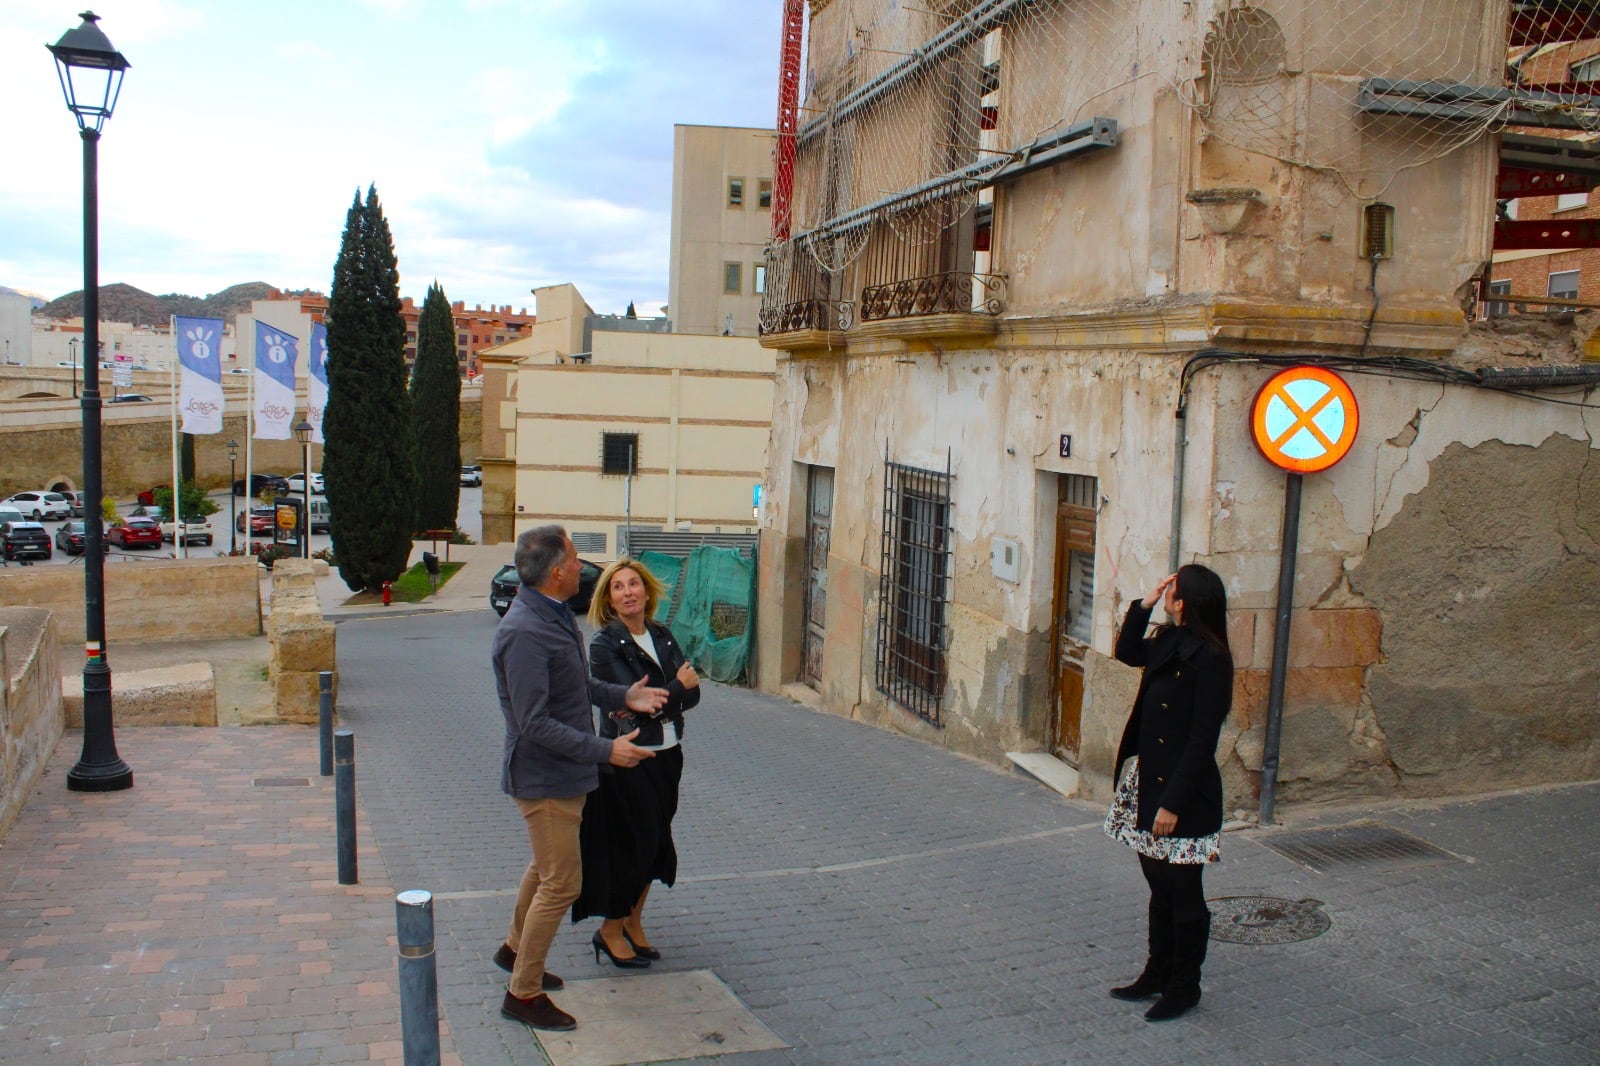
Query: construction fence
(710, 598)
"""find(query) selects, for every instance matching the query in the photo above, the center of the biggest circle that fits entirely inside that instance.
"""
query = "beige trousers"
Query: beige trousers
(549, 885)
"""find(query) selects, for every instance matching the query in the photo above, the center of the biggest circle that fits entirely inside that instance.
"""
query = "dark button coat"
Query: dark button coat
(1184, 697)
(615, 657)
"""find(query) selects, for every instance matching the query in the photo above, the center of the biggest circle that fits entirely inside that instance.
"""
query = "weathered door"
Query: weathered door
(1074, 608)
(819, 524)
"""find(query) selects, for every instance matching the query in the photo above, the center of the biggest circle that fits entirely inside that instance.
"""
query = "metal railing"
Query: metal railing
(955, 291)
(808, 314)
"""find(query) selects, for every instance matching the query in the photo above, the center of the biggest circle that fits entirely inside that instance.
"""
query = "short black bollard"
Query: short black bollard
(344, 802)
(419, 978)
(325, 720)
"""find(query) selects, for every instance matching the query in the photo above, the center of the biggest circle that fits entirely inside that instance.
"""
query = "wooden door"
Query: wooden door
(819, 526)
(1073, 609)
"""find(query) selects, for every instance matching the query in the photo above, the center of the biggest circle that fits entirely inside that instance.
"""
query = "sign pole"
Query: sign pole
(1280, 644)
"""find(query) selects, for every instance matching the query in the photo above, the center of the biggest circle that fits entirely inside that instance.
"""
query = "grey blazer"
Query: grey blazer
(551, 750)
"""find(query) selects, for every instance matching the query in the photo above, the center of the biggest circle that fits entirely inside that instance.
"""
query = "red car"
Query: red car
(134, 533)
(261, 519)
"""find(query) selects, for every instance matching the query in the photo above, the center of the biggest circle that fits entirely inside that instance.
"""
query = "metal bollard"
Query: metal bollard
(325, 720)
(344, 802)
(419, 978)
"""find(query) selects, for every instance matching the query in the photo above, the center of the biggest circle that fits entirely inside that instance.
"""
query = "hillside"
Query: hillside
(124, 303)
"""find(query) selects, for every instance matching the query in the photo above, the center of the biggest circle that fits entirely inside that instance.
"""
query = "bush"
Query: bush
(458, 537)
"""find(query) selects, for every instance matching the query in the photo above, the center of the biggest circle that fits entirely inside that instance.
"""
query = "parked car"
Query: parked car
(75, 503)
(131, 397)
(472, 476)
(153, 511)
(148, 496)
(297, 483)
(320, 516)
(41, 505)
(23, 540)
(261, 519)
(196, 530)
(72, 537)
(503, 588)
(135, 533)
(275, 482)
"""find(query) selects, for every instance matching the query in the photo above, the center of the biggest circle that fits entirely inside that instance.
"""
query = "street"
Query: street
(875, 899)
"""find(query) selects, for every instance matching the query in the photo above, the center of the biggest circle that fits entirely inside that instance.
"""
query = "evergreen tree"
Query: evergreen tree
(436, 415)
(186, 458)
(631, 312)
(367, 457)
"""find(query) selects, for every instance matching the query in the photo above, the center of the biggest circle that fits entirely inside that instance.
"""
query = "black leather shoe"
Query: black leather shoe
(630, 962)
(643, 953)
(538, 1012)
(506, 959)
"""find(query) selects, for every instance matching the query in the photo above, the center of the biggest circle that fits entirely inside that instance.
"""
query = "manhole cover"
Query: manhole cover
(282, 782)
(1361, 844)
(1266, 919)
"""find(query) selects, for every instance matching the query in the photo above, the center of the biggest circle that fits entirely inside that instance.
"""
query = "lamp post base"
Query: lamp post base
(110, 777)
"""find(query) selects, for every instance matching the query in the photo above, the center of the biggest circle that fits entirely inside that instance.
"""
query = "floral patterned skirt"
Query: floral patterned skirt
(1122, 825)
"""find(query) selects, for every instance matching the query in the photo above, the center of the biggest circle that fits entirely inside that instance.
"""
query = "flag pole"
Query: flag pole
(177, 482)
(249, 436)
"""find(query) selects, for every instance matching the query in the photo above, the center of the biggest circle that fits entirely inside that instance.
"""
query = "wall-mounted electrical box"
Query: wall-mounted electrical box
(1005, 556)
(1377, 231)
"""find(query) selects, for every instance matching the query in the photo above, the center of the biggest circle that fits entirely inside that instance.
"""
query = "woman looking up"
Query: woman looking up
(1168, 807)
(626, 836)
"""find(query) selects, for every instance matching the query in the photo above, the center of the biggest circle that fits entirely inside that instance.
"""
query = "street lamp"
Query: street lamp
(302, 433)
(91, 77)
(72, 356)
(233, 500)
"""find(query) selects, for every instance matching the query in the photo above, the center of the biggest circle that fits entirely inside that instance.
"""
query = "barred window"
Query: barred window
(619, 453)
(914, 589)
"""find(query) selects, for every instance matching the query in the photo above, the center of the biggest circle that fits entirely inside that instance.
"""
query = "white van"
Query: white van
(319, 516)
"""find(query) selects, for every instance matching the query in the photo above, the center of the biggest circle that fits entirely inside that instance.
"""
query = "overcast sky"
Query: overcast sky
(513, 143)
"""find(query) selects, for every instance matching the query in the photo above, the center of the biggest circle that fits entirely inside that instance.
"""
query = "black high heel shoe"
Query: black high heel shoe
(643, 953)
(631, 963)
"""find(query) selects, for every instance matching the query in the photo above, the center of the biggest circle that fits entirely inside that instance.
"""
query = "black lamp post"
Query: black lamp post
(302, 433)
(72, 349)
(233, 500)
(91, 77)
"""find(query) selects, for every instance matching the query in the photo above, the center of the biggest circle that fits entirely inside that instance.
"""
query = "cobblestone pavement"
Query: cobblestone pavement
(873, 899)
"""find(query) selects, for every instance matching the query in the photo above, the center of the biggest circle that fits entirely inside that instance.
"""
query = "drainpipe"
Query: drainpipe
(1180, 443)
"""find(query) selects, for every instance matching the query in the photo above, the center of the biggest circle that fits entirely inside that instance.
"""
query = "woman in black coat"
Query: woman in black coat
(1168, 807)
(626, 836)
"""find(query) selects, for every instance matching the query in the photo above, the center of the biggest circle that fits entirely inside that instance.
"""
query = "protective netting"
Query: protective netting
(710, 606)
(910, 109)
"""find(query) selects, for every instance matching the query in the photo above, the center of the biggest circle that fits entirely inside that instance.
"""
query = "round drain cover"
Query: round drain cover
(1266, 919)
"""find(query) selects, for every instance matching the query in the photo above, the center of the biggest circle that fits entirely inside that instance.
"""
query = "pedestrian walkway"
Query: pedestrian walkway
(863, 898)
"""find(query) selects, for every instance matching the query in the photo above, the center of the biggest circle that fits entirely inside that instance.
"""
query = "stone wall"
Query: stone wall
(146, 599)
(303, 643)
(45, 452)
(30, 704)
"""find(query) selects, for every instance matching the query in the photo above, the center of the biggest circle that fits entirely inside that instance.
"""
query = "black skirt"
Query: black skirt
(626, 837)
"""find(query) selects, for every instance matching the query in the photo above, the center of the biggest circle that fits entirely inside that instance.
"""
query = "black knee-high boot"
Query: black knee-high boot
(1158, 965)
(1191, 932)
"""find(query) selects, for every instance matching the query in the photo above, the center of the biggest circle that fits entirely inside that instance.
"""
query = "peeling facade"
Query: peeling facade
(1444, 637)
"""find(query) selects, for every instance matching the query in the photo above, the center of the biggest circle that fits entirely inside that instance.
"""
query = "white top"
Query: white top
(669, 732)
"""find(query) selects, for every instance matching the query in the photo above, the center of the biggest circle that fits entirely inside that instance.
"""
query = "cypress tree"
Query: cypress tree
(367, 457)
(436, 414)
(631, 312)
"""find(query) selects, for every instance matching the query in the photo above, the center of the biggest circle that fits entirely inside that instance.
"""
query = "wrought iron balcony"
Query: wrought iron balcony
(953, 292)
(825, 315)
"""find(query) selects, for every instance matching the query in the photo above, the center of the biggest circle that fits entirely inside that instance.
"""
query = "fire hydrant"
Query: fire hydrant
(387, 599)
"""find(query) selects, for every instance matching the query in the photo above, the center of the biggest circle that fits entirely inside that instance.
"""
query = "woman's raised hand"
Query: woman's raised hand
(687, 677)
(1160, 590)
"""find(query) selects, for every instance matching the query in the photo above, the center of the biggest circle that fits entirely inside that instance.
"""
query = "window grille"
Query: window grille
(913, 591)
(619, 453)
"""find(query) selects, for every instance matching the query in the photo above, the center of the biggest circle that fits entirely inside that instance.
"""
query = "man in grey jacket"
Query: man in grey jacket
(551, 756)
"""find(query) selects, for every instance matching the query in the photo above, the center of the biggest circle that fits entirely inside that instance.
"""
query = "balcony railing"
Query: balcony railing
(953, 292)
(827, 315)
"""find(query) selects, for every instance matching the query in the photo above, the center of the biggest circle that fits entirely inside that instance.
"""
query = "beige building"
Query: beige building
(721, 219)
(587, 399)
(1023, 320)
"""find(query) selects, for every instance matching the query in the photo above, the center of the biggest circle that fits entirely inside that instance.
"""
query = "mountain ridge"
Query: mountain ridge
(121, 302)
